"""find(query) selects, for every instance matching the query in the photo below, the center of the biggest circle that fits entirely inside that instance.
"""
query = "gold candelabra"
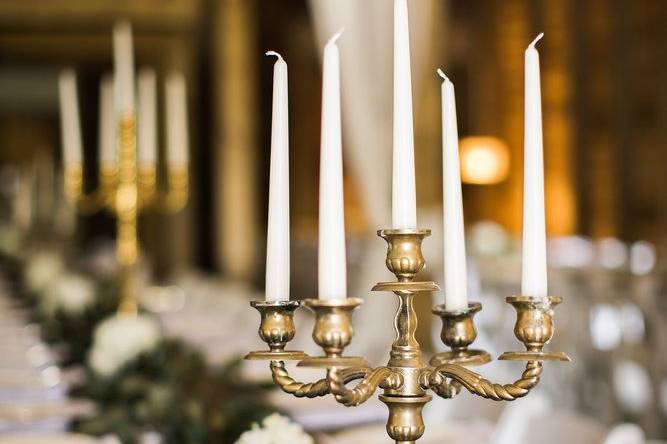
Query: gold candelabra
(125, 190)
(405, 379)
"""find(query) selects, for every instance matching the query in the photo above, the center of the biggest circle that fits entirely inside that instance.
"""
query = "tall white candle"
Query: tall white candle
(277, 237)
(123, 52)
(404, 205)
(69, 119)
(107, 131)
(147, 119)
(534, 260)
(332, 273)
(456, 294)
(177, 121)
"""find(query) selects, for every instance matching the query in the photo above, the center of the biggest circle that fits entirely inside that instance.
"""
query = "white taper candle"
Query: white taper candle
(332, 267)
(178, 146)
(534, 260)
(147, 118)
(456, 294)
(69, 119)
(404, 204)
(123, 51)
(108, 124)
(278, 232)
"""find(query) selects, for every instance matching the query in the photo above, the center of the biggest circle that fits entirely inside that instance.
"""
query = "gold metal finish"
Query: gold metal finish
(125, 190)
(276, 329)
(458, 332)
(405, 379)
(534, 327)
(333, 332)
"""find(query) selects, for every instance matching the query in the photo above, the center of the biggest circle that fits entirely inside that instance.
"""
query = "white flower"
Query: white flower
(275, 429)
(71, 293)
(120, 339)
(41, 270)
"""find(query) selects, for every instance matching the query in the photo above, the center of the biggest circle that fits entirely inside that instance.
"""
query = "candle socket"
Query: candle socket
(276, 329)
(404, 252)
(333, 332)
(534, 327)
(458, 333)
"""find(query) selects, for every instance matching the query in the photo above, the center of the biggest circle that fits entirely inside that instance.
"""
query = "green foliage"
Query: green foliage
(171, 391)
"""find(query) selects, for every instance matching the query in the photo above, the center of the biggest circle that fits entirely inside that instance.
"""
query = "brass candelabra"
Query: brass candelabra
(405, 379)
(125, 190)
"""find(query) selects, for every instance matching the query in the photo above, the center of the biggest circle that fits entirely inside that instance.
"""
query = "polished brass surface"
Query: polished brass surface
(404, 252)
(458, 332)
(333, 332)
(534, 327)
(405, 424)
(124, 190)
(276, 328)
(405, 379)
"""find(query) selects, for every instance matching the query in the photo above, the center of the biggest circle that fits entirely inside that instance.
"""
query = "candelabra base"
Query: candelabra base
(405, 424)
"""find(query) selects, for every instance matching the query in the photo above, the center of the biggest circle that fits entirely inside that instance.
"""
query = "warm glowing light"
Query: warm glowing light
(484, 160)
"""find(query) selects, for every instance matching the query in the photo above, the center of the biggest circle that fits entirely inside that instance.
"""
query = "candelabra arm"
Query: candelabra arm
(441, 378)
(382, 377)
(310, 389)
(86, 203)
(175, 197)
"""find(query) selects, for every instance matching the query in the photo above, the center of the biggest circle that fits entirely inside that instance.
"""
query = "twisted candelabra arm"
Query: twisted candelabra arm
(382, 377)
(444, 380)
(315, 389)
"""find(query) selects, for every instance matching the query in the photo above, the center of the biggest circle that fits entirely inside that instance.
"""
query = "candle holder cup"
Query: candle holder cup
(534, 327)
(276, 329)
(458, 332)
(333, 332)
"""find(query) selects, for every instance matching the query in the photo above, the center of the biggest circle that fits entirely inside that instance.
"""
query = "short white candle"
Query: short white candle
(108, 124)
(534, 260)
(147, 119)
(178, 146)
(124, 66)
(69, 119)
(332, 267)
(456, 294)
(277, 237)
(404, 204)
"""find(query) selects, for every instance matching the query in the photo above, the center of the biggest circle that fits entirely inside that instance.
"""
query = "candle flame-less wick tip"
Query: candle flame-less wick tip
(441, 73)
(274, 53)
(336, 36)
(537, 39)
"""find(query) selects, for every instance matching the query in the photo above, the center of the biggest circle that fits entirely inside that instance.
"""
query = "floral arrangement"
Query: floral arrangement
(170, 391)
(120, 339)
(275, 429)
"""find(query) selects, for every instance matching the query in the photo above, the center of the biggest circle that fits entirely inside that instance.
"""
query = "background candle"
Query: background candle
(177, 121)
(404, 205)
(107, 134)
(277, 237)
(69, 119)
(124, 66)
(332, 267)
(534, 260)
(456, 295)
(147, 119)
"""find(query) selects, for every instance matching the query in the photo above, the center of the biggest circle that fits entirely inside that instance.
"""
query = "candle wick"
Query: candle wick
(441, 73)
(335, 36)
(537, 39)
(274, 53)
